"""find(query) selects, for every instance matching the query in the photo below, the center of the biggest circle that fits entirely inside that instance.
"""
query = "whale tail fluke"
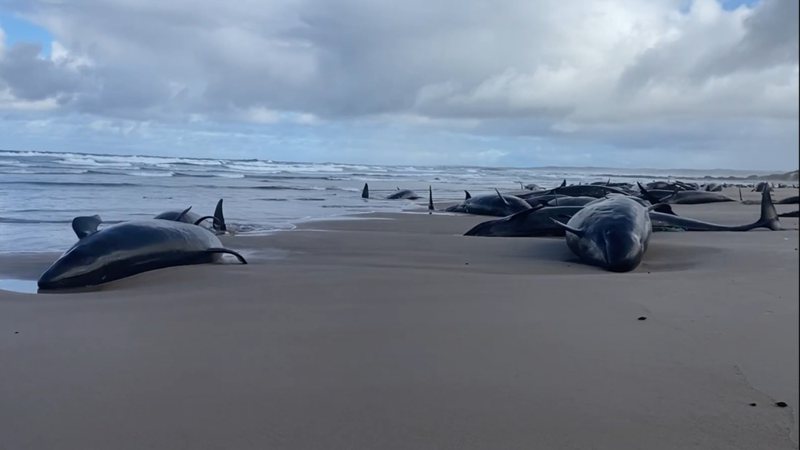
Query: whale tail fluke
(769, 217)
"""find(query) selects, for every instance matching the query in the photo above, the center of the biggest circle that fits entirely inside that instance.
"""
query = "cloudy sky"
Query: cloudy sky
(626, 83)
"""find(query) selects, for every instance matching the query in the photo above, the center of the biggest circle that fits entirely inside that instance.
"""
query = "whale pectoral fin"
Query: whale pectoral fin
(505, 202)
(662, 208)
(227, 251)
(219, 218)
(566, 227)
(564, 183)
(669, 197)
(85, 225)
(183, 213)
(214, 222)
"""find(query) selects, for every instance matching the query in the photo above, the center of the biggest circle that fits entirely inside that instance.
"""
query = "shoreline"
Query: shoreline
(402, 333)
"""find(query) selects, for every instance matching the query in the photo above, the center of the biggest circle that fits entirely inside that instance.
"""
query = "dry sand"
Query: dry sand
(399, 333)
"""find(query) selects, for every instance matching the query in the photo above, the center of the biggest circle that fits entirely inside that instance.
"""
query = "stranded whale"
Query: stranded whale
(128, 248)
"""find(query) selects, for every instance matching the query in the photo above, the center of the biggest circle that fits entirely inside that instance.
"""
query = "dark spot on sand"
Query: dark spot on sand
(466, 264)
(642, 318)
(753, 404)
(16, 332)
(781, 404)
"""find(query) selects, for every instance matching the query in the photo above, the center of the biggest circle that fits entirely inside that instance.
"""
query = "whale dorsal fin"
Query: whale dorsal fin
(85, 225)
(430, 199)
(365, 191)
(505, 202)
(183, 213)
(219, 218)
(574, 231)
(466, 195)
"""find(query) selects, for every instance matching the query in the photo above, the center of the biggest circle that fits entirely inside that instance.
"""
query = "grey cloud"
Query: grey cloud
(30, 77)
(569, 70)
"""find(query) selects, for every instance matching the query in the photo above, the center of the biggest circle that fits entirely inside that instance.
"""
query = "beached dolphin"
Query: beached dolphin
(490, 205)
(406, 194)
(682, 197)
(580, 190)
(768, 219)
(671, 186)
(543, 200)
(534, 222)
(612, 233)
(570, 201)
(128, 248)
(186, 216)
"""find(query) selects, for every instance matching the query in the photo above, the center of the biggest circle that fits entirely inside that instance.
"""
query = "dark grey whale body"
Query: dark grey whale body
(612, 233)
(399, 194)
(768, 219)
(684, 197)
(186, 216)
(403, 194)
(128, 248)
(534, 222)
(490, 205)
(578, 190)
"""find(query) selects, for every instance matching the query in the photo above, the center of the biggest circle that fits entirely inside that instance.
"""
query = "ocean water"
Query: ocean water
(41, 192)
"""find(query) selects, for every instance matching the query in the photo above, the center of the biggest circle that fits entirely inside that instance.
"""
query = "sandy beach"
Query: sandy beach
(394, 331)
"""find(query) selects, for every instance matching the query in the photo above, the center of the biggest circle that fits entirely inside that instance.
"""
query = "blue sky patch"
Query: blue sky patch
(20, 30)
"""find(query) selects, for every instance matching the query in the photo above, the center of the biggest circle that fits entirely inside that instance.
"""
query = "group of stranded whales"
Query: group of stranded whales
(173, 238)
(613, 231)
(607, 225)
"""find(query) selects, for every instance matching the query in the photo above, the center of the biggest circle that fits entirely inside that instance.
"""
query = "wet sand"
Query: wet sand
(397, 332)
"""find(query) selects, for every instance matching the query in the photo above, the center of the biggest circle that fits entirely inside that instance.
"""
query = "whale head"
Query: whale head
(79, 266)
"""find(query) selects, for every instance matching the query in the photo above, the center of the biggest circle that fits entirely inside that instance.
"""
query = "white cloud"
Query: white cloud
(606, 70)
